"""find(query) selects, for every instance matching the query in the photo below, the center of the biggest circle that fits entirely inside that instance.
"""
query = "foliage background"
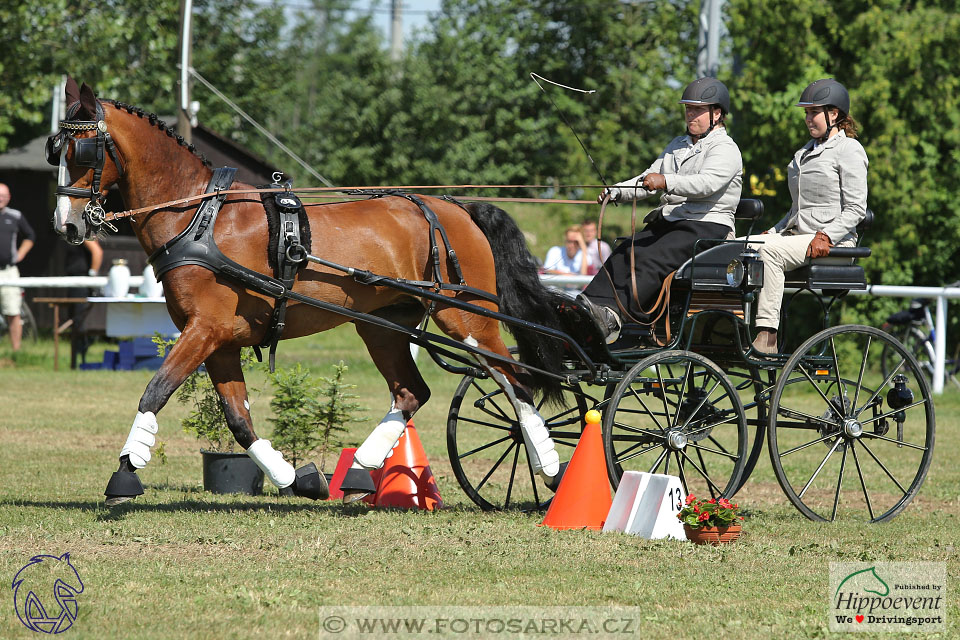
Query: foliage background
(460, 106)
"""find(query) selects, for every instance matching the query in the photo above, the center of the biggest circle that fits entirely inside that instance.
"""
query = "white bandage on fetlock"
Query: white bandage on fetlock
(540, 448)
(378, 444)
(142, 437)
(280, 472)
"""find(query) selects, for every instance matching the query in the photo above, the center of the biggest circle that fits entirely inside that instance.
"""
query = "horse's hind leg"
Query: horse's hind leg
(390, 352)
(484, 333)
(226, 373)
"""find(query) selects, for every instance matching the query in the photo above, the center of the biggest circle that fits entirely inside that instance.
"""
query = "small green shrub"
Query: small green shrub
(310, 414)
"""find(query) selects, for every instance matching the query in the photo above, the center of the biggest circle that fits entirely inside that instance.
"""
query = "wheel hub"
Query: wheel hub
(676, 440)
(852, 428)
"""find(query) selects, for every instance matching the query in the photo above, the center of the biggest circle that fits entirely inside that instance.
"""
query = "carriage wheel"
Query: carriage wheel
(845, 439)
(486, 447)
(677, 413)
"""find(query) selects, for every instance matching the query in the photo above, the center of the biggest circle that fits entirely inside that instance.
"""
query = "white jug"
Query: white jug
(150, 288)
(118, 280)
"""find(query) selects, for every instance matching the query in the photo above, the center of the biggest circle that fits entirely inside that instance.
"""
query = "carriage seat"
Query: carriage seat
(837, 270)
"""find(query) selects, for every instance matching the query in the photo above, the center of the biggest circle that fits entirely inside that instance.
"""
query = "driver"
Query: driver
(699, 176)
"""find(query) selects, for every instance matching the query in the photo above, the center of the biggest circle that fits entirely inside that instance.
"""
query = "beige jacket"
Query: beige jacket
(828, 184)
(703, 179)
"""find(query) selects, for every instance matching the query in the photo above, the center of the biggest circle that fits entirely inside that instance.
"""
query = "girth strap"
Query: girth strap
(291, 254)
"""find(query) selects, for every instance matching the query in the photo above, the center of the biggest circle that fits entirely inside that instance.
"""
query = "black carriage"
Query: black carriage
(846, 435)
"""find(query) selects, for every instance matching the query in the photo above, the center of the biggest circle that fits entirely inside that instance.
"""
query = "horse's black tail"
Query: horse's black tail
(523, 296)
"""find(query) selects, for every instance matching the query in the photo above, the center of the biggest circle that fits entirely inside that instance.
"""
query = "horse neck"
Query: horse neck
(157, 169)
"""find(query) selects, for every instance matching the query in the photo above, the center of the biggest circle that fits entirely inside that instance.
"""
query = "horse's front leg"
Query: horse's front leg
(226, 374)
(187, 354)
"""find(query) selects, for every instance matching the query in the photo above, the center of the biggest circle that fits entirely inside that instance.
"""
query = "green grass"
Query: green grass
(179, 562)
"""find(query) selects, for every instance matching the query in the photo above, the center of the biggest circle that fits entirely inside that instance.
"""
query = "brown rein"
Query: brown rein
(323, 191)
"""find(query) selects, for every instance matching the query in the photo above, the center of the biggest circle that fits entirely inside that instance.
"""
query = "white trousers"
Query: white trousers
(780, 253)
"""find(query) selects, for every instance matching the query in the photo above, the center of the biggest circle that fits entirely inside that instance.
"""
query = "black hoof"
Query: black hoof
(358, 481)
(554, 483)
(310, 483)
(123, 486)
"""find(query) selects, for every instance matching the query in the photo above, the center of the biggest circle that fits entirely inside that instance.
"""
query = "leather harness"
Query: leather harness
(195, 245)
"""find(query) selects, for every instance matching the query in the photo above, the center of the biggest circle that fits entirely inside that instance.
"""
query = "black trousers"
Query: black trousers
(659, 248)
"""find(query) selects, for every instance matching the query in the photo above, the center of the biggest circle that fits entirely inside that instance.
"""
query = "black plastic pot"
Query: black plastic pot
(231, 472)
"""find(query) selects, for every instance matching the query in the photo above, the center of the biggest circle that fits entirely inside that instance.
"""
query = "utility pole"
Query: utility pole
(712, 30)
(396, 31)
(184, 126)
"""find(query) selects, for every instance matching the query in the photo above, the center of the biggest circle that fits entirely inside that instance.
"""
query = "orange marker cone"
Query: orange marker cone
(406, 479)
(583, 498)
(343, 464)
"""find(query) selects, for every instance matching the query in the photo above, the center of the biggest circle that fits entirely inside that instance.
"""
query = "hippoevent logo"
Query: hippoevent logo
(45, 593)
(887, 596)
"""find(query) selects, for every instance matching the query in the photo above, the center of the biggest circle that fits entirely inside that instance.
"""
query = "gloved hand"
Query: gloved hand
(654, 182)
(819, 246)
(608, 193)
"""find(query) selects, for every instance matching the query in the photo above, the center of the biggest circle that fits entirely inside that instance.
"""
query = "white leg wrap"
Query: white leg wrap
(378, 444)
(271, 462)
(141, 438)
(540, 448)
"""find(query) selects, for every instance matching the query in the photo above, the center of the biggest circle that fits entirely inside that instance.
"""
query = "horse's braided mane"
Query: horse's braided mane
(155, 120)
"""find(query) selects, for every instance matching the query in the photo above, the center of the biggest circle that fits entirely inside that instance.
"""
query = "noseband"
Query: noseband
(88, 152)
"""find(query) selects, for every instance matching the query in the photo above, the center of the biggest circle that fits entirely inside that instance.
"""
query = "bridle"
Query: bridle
(88, 152)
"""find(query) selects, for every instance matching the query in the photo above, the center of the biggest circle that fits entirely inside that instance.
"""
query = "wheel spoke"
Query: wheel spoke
(656, 464)
(622, 457)
(482, 447)
(863, 483)
(710, 483)
(706, 471)
(822, 463)
(703, 401)
(663, 396)
(495, 466)
(683, 476)
(703, 428)
(699, 448)
(883, 386)
(489, 397)
(533, 481)
(882, 466)
(809, 444)
(513, 474)
(899, 443)
(842, 390)
(863, 368)
(893, 411)
(820, 391)
(836, 497)
(501, 427)
(645, 408)
(793, 413)
(639, 430)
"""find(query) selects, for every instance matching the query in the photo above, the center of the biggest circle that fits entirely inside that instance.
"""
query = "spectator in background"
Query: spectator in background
(568, 259)
(82, 260)
(14, 231)
(597, 250)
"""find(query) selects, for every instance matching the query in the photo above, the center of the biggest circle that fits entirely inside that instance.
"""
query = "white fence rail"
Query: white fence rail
(939, 294)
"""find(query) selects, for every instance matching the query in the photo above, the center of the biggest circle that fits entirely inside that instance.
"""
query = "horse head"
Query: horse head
(89, 164)
(43, 581)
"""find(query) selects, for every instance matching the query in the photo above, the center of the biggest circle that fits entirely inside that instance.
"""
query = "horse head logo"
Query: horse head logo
(45, 593)
(865, 580)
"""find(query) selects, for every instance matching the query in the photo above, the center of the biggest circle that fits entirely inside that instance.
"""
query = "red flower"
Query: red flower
(712, 500)
(696, 508)
(703, 516)
(690, 498)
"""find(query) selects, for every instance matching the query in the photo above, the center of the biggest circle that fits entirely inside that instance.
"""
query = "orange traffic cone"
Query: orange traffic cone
(343, 464)
(406, 480)
(583, 498)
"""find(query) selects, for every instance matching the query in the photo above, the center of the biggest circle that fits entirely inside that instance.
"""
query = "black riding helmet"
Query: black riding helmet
(826, 93)
(707, 91)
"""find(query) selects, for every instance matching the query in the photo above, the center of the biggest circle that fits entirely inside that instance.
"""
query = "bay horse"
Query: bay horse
(103, 142)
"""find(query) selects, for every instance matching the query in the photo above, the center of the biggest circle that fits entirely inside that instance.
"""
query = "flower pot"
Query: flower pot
(712, 535)
(231, 472)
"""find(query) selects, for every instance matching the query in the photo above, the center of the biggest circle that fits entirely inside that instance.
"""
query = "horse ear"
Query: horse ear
(88, 102)
(72, 91)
